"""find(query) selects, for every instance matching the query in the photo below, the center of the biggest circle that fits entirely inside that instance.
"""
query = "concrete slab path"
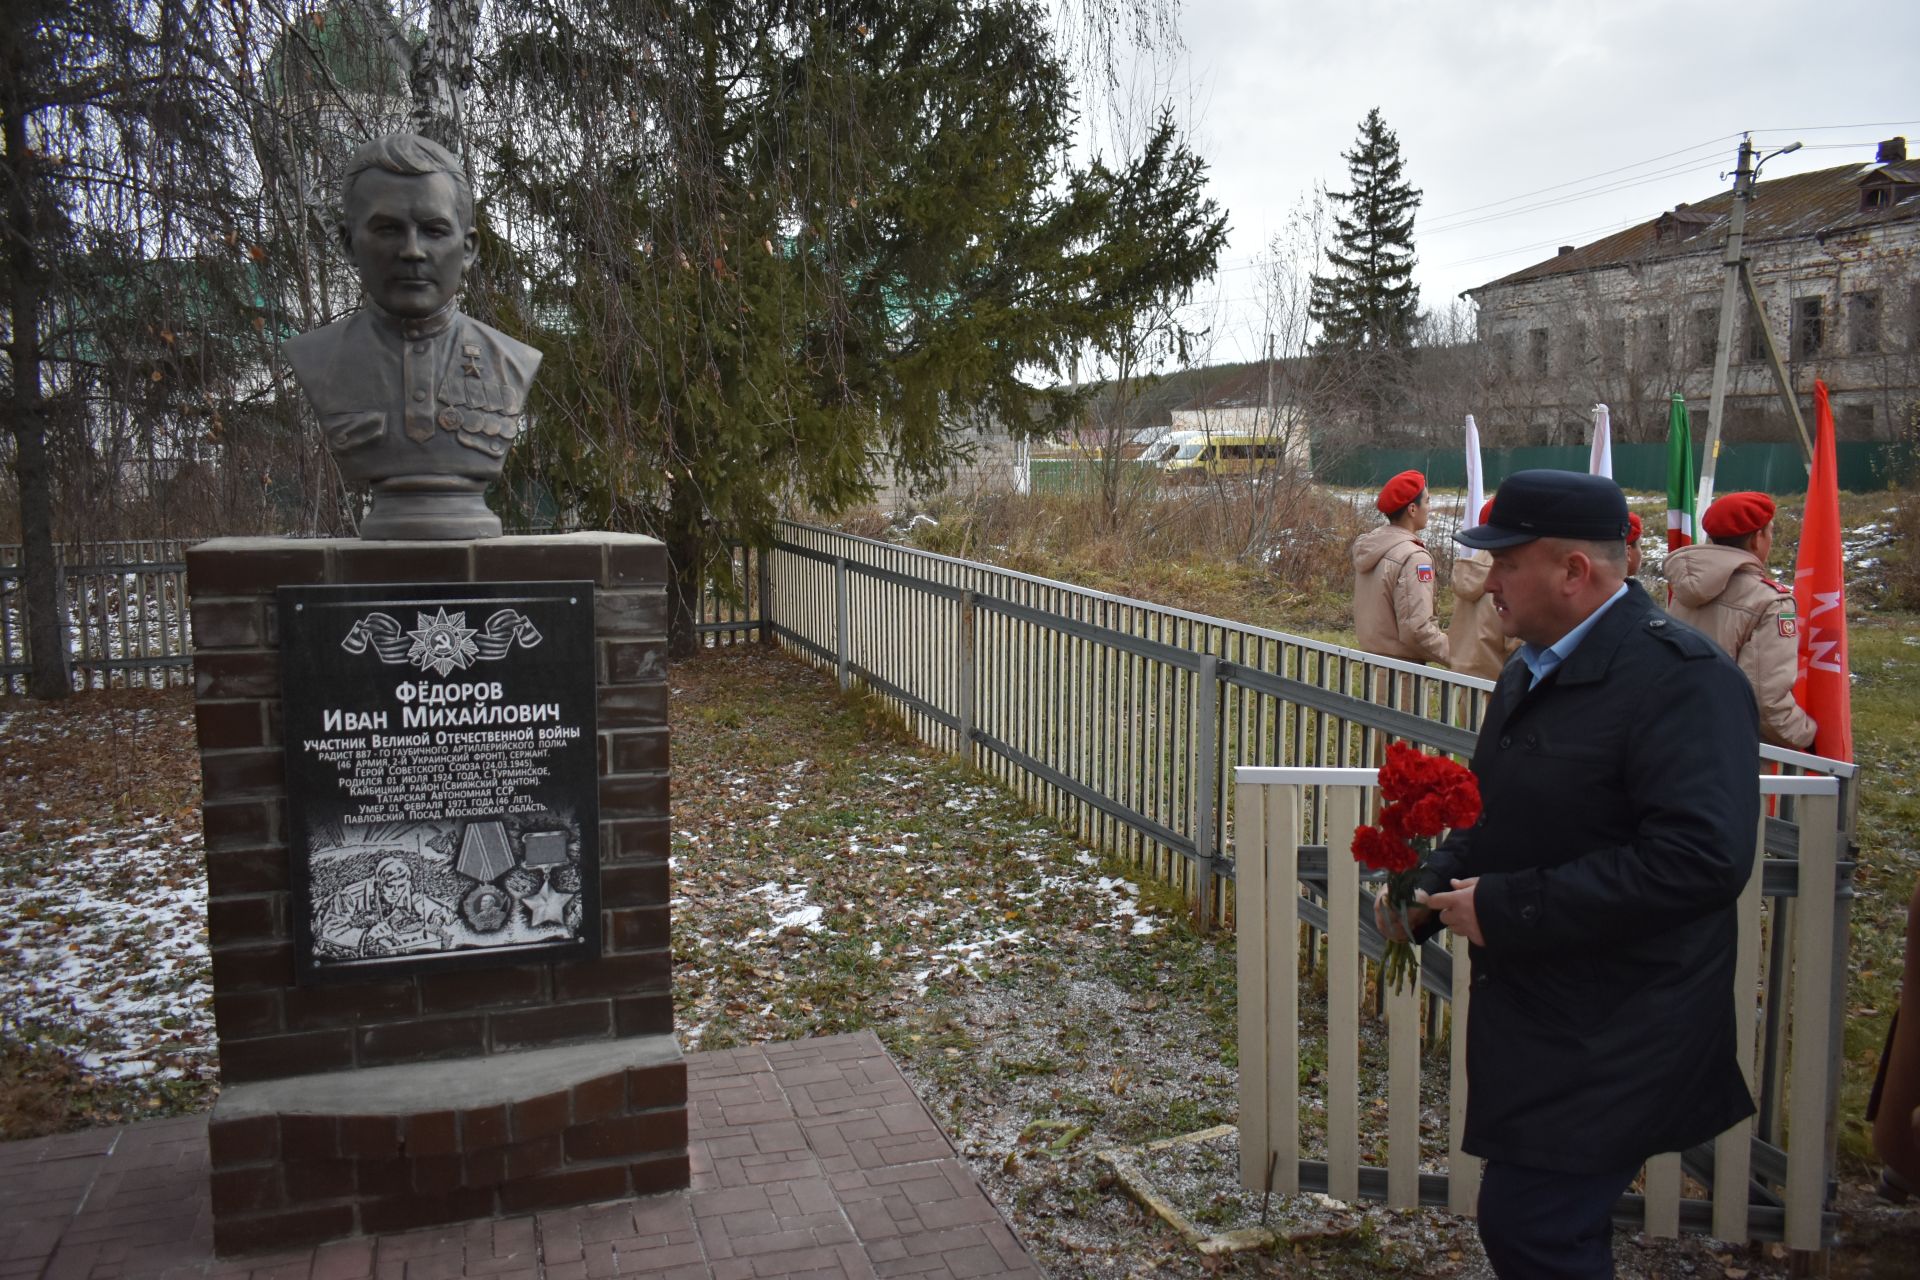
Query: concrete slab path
(811, 1158)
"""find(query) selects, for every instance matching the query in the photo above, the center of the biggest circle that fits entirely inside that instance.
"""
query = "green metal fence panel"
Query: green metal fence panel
(1082, 475)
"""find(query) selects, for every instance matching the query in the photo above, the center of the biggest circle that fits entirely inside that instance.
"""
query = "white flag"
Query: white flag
(1476, 484)
(1601, 464)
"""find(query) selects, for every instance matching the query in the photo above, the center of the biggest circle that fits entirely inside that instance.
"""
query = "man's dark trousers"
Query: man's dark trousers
(1537, 1224)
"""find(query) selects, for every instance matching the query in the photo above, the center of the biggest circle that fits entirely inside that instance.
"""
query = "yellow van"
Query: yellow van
(1224, 455)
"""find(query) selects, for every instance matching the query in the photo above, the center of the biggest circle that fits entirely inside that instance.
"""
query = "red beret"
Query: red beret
(1737, 514)
(1633, 527)
(1486, 509)
(1401, 490)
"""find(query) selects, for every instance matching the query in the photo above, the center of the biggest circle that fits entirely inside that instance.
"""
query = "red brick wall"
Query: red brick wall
(280, 1178)
(270, 1028)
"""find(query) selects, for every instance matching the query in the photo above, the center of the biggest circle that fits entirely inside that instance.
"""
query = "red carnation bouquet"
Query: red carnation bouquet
(1424, 795)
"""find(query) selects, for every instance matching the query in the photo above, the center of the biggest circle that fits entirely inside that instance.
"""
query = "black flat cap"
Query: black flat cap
(1550, 504)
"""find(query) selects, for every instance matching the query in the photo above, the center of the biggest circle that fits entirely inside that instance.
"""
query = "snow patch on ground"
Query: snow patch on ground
(103, 950)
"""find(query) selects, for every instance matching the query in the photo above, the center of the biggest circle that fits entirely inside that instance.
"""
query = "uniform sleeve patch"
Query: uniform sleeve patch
(1425, 571)
(1788, 625)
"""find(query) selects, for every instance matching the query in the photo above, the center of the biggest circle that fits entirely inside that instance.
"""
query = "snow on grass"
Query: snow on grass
(103, 943)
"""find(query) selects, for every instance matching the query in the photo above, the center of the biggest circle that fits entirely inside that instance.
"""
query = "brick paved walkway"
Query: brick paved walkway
(810, 1159)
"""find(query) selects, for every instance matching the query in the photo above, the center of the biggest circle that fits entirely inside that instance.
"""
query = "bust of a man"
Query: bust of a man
(415, 399)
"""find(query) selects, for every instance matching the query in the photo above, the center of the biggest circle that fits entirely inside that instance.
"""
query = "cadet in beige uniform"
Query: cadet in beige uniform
(1393, 578)
(1478, 644)
(1723, 588)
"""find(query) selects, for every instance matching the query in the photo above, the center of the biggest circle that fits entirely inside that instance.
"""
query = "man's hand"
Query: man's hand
(1388, 921)
(1455, 909)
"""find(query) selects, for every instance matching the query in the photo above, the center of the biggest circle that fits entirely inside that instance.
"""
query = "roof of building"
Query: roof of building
(1819, 204)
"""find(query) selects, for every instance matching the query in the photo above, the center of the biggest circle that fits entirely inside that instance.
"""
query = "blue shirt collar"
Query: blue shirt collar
(1544, 662)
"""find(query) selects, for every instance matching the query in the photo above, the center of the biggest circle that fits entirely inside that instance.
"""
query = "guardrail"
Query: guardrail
(1767, 1181)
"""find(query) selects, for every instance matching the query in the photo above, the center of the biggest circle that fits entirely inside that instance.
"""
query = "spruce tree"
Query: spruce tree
(1368, 301)
(765, 247)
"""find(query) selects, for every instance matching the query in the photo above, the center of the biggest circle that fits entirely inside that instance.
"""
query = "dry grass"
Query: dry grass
(1272, 554)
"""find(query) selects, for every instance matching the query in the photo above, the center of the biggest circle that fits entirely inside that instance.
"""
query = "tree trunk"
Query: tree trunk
(50, 676)
(687, 549)
(440, 71)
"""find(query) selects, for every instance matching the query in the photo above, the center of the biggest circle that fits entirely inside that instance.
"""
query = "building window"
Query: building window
(1854, 422)
(1706, 335)
(1756, 348)
(1538, 351)
(1863, 322)
(1503, 354)
(1613, 342)
(1809, 328)
(1656, 335)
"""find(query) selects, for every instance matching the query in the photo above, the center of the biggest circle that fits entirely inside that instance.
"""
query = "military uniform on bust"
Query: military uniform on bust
(1723, 589)
(1394, 578)
(458, 377)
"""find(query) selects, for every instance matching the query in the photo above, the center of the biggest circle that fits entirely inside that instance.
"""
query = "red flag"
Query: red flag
(1824, 687)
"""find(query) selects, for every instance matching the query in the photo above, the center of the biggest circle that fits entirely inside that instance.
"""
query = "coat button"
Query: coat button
(421, 348)
(1529, 911)
(1506, 740)
(1656, 623)
(1533, 740)
(419, 394)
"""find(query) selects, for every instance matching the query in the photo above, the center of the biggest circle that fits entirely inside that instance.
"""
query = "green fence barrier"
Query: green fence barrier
(1079, 475)
(1768, 468)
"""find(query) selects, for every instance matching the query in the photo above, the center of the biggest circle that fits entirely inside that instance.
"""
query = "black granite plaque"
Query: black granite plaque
(442, 776)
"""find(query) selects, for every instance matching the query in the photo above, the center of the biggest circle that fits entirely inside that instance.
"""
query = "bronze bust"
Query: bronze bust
(415, 399)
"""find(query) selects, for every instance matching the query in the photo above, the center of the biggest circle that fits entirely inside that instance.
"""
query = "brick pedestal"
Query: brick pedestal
(440, 1096)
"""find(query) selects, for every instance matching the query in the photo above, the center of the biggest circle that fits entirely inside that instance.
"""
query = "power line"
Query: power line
(1694, 166)
(1640, 164)
(1605, 230)
(1572, 182)
(1828, 128)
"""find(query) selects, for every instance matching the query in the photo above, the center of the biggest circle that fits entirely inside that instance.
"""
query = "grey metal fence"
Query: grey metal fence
(1118, 718)
(125, 619)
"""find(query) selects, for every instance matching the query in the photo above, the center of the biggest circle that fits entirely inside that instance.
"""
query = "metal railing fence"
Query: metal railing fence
(1768, 1177)
(1119, 719)
(125, 618)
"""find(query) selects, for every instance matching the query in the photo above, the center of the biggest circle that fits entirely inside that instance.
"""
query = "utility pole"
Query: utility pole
(1739, 281)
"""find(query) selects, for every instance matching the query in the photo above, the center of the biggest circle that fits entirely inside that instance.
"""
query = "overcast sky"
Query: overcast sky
(1493, 99)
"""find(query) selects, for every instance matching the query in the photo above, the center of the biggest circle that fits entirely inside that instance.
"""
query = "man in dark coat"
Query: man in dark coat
(1619, 768)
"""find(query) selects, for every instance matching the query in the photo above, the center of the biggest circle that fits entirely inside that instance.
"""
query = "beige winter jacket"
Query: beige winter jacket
(1393, 596)
(1727, 593)
(1474, 637)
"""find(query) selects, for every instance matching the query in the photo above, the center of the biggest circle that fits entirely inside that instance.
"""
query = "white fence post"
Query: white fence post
(1806, 1193)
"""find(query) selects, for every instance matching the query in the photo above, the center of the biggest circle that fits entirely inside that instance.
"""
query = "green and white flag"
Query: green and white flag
(1681, 526)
